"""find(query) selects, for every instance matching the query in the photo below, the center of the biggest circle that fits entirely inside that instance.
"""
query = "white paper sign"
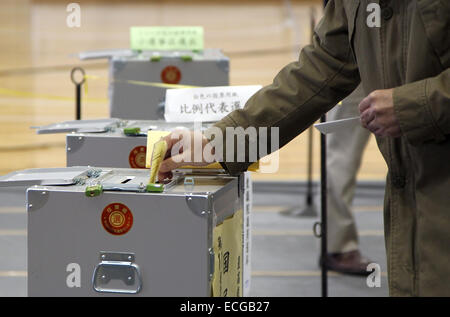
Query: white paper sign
(206, 104)
(247, 228)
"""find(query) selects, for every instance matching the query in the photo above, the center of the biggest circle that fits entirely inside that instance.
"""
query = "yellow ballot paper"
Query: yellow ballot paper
(228, 260)
(152, 138)
(159, 152)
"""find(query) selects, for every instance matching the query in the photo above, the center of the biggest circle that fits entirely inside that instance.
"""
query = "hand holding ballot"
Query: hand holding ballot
(377, 114)
(185, 147)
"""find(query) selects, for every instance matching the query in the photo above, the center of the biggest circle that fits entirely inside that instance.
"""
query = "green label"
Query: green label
(166, 38)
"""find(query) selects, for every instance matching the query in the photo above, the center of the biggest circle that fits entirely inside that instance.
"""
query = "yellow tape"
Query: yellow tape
(86, 77)
(142, 83)
(26, 94)
(154, 84)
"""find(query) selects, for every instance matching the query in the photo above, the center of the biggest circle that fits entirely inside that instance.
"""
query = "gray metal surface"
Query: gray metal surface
(170, 244)
(113, 148)
(102, 142)
(169, 238)
(93, 126)
(43, 176)
(146, 125)
(140, 101)
(107, 149)
(107, 53)
(209, 54)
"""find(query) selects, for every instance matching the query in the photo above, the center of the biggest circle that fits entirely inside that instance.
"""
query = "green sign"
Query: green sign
(166, 38)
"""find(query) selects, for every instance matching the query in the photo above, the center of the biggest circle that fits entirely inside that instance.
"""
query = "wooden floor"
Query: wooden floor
(37, 54)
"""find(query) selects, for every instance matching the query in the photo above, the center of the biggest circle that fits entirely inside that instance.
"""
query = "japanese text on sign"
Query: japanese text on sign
(205, 104)
(166, 38)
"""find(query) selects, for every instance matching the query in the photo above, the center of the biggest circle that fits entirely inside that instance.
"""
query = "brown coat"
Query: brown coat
(410, 51)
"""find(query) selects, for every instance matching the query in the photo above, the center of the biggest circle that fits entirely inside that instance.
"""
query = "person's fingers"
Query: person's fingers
(180, 140)
(172, 163)
(367, 116)
(173, 151)
(197, 163)
(170, 139)
(373, 126)
(163, 176)
(365, 104)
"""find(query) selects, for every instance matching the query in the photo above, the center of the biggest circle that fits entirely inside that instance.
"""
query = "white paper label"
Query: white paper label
(206, 104)
(247, 237)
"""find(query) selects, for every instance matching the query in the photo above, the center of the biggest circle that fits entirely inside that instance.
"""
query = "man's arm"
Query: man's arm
(423, 109)
(304, 90)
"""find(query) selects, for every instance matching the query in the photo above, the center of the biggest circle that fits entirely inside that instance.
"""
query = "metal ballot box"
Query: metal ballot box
(98, 231)
(135, 88)
(108, 142)
(121, 143)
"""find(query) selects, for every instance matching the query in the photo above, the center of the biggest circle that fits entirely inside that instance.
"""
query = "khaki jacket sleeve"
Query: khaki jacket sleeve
(302, 91)
(423, 109)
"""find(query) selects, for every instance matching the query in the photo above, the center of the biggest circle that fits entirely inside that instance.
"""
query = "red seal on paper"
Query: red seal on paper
(171, 75)
(138, 156)
(117, 219)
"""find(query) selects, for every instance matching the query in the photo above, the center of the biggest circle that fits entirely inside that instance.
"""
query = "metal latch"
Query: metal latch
(186, 58)
(211, 263)
(155, 58)
(96, 190)
(117, 273)
(133, 131)
(189, 184)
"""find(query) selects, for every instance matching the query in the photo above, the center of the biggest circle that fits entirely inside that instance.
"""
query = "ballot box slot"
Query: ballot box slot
(118, 182)
(127, 179)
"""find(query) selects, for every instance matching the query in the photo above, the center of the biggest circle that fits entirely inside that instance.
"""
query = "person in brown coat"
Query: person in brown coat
(403, 66)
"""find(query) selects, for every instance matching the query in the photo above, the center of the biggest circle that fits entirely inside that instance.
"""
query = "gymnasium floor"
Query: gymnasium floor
(284, 252)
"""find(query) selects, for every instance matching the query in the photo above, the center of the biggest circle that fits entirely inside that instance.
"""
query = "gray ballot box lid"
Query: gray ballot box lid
(44, 176)
(108, 124)
(115, 179)
(206, 54)
(81, 126)
(106, 53)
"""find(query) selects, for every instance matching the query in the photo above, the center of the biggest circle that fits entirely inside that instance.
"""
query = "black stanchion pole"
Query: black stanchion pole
(78, 84)
(309, 193)
(323, 212)
(78, 102)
